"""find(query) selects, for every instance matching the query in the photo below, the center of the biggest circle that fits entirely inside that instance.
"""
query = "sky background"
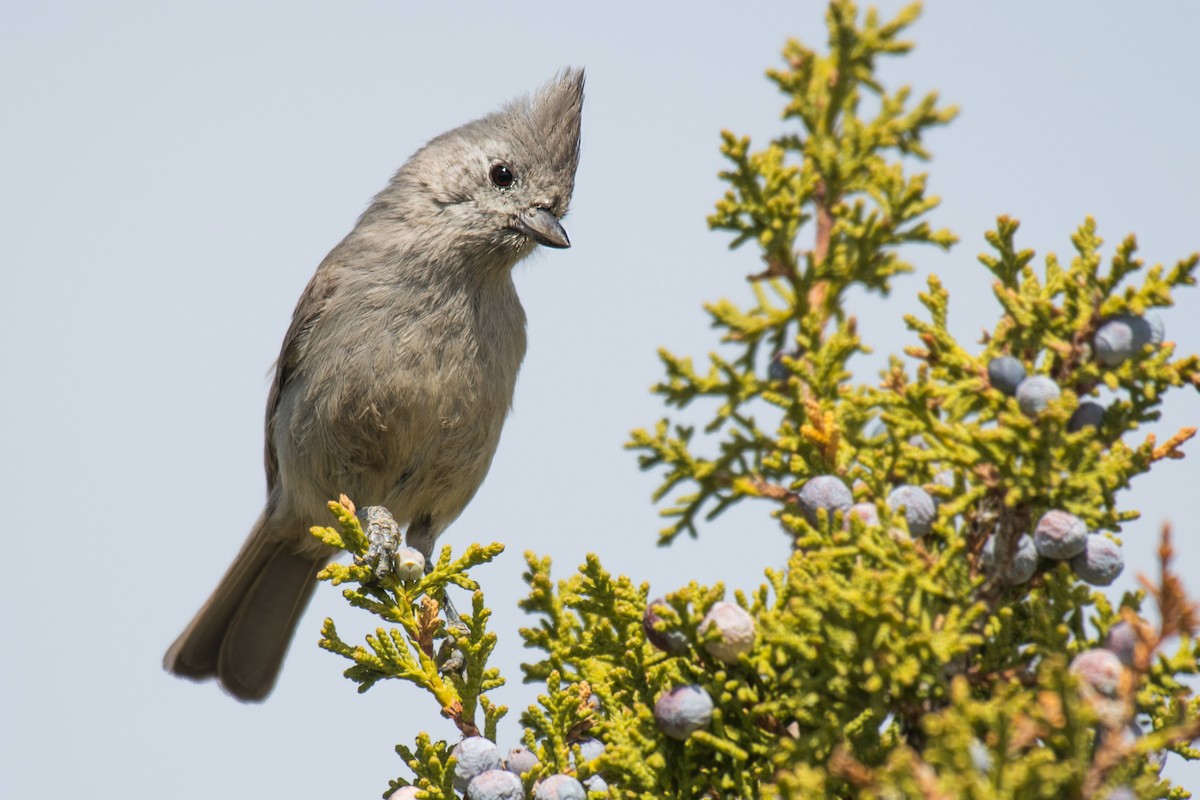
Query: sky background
(172, 173)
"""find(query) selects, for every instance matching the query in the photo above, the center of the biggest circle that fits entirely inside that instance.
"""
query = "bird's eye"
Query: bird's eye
(501, 176)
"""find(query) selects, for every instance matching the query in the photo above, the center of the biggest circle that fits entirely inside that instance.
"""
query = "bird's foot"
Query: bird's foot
(383, 539)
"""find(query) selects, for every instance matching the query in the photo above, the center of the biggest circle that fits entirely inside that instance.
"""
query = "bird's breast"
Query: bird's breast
(411, 414)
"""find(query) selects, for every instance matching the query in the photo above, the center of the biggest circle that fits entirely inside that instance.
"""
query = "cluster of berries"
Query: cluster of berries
(1035, 393)
(1060, 536)
(1106, 684)
(481, 772)
(830, 494)
(727, 632)
(1116, 341)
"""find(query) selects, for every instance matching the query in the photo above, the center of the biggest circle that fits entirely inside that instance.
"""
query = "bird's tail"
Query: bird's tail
(242, 632)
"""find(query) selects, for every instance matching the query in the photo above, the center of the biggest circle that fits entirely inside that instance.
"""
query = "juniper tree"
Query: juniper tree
(936, 632)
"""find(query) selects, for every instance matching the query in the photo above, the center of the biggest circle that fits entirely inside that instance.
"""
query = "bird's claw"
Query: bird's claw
(450, 657)
(383, 539)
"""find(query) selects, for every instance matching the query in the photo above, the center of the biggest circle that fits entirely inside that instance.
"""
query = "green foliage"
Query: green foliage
(884, 664)
(433, 765)
(870, 631)
(558, 723)
(865, 207)
(449, 662)
(408, 652)
(1031, 465)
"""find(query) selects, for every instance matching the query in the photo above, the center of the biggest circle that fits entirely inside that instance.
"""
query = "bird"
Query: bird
(397, 371)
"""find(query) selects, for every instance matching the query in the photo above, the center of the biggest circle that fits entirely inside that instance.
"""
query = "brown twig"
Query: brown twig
(1170, 448)
(428, 623)
(850, 769)
(1177, 612)
(1178, 616)
(775, 269)
(772, 491)
(824, 206)
(454, 712)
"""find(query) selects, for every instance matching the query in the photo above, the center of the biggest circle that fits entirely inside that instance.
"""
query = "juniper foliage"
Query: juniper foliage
(888, 661)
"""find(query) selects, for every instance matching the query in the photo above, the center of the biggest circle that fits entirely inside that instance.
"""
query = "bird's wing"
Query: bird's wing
(308, 311)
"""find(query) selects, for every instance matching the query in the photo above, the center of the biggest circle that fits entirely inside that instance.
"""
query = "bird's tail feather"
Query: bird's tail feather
(242, 632)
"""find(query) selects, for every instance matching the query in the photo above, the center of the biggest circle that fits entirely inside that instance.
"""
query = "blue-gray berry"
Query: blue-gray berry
(866, 512)
(596, 784)
(674, 642)
(1099, 670)
(1102, 685)
(591, 749)
(404, 793)
(409, 564)
(1022, 566)
(779, 371)
(736, 627)
(919, 509)
(495, 784)
(1060, 535)
(1005, 374)
(1100, 562)
(988, 554)
(1142, 332)
(1121, 338)
(559, 787)
(1036, 393)
(521, 760)
(683, 711)
(1158, 330)
(1122, 641)
(981, 757)
(1088, 414)
(475, 755)
(824, 492)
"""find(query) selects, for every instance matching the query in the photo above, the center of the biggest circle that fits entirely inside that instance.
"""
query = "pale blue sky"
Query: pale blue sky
(171, 174)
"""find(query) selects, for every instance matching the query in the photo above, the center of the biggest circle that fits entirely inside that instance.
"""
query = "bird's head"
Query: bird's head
(500, 185)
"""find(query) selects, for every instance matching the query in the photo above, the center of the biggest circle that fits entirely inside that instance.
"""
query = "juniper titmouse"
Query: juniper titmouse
(397, 371)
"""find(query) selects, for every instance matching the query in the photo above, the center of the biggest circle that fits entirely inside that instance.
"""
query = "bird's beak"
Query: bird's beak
(543, 227)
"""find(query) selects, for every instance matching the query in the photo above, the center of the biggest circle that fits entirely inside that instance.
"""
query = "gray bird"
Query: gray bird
(397, 370)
